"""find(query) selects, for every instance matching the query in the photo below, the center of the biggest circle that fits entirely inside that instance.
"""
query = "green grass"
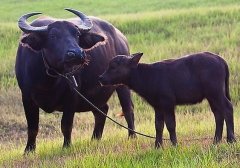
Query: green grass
(160, 29)
(10, 10)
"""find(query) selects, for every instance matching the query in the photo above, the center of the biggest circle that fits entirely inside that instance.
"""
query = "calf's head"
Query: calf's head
(119, 69)
(61, 42)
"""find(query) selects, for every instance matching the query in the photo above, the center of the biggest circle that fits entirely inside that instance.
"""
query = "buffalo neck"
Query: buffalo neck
(139, 79)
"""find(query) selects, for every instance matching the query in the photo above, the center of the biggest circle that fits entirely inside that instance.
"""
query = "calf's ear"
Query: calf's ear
(135, 59)
(33, 41)
(89, 40)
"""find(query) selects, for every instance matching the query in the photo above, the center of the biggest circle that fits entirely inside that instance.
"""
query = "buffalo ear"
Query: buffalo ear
(33, 41)
(88, 40)
(135, 59)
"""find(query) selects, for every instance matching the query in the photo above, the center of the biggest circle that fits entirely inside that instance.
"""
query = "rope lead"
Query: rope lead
(96, 108)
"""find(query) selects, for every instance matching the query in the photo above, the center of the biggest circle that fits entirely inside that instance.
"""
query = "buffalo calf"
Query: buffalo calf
(165, 84)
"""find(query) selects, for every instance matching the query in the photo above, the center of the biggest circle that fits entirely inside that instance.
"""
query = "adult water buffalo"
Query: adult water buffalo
(50, 45)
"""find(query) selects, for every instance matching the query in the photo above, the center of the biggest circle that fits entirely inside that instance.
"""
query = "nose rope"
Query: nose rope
(48, 68)
(57, 74)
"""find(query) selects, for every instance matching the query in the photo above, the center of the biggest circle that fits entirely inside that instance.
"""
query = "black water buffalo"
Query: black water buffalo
(51, 46)
(165, 84)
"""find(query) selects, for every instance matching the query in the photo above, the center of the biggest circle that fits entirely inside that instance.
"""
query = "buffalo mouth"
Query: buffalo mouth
(73, 65)
(107, 82)
(103, 81)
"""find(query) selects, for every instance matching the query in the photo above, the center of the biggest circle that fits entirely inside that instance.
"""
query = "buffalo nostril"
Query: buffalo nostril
(71, 54)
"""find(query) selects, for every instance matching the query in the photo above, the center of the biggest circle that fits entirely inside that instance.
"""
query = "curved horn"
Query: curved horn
(26, 28)
(86, 22)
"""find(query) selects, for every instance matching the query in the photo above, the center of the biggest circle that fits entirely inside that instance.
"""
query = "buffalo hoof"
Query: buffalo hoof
(216, 140)
(231, 140)
(29, 149)
(96, 137)
(66, 144)
(132, 136)
(158, 145)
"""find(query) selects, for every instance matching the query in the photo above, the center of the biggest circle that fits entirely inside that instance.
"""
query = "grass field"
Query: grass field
(160, 29)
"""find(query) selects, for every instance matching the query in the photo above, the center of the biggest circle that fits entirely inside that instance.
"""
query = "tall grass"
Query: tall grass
(10, 10)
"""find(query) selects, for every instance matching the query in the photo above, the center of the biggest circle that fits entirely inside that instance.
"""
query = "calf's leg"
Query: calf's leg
(219, 120)
(223, 110)
(127, 108)
(159, 125)
(169, 118)
(228, 115)
(99, 122)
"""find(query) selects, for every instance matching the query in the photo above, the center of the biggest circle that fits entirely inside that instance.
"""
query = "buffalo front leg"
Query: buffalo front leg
(124, 96)
(159, 125)
(32, 117)
(66, 127)
(99, 122)
(170, 121)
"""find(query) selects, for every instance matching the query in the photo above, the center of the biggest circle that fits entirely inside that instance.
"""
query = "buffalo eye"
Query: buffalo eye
(52, 36)
(113, 67)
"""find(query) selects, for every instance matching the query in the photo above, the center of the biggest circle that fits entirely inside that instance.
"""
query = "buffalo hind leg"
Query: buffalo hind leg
(219, 120)
(228, 115)
(32, 116)
(66, 127)
(159, 125)
(99, 122)
(170, 121)
(124, 96)
(222, 110)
